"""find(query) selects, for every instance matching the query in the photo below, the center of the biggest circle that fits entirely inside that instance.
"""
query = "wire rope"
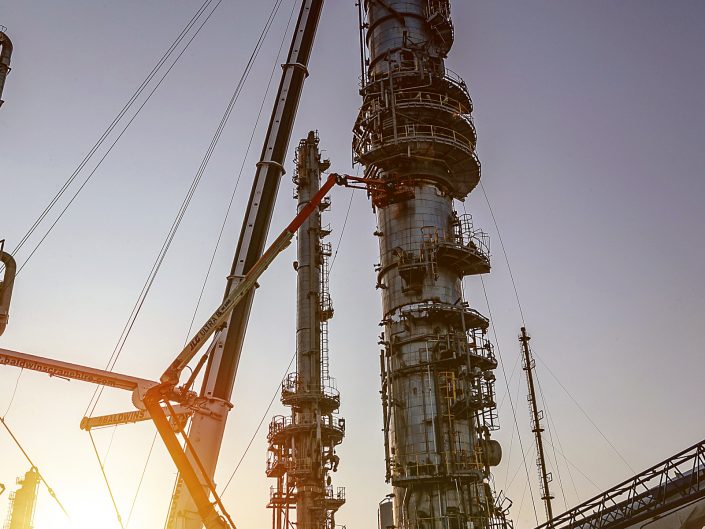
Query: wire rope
(239, 175)
(511, 402)
(185, 203)
(587, 416)
(29, 460)
(14, 392)
(549, 429)
(264, 416)
(516, 293)
(139, 485)
(105, 478)
(135, 96)
(560, 445)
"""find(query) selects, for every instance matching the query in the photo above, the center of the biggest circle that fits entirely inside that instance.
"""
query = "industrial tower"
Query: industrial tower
(302, 445)
(414, 133)
(23, 501)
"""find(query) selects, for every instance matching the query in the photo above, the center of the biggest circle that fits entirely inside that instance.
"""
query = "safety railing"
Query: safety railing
(374, 140)
(293, 383)
(373, 106)
(280, 422)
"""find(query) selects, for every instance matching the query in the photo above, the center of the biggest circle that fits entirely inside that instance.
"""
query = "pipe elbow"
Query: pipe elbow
(6, 286)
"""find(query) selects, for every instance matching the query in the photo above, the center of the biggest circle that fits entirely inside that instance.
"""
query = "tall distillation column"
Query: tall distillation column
(302, 445)
(416, 139)
(23, 501)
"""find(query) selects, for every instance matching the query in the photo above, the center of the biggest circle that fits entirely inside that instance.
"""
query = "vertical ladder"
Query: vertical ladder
(326, 311)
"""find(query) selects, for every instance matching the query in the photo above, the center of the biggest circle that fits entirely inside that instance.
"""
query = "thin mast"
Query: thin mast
(536, 415)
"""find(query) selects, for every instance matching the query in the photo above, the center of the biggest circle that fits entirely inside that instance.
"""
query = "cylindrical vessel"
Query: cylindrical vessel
(415, 136)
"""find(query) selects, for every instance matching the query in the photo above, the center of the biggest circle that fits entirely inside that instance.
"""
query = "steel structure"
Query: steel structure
(414, 132)
(5, 56)
(302, 445)
(676, 483)
(23, 501)
(529, 364)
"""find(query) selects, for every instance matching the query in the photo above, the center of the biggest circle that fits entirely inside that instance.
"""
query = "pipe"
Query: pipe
(8, 281)
(5, 54)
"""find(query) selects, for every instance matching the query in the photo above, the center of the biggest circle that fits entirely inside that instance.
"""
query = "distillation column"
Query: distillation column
(302, 445)
(416, 139)
(23, 501)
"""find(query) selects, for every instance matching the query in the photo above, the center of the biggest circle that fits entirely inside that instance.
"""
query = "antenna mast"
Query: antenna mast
(528, 364)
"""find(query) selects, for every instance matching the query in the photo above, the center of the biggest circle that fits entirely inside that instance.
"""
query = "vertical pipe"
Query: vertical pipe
(5, 55)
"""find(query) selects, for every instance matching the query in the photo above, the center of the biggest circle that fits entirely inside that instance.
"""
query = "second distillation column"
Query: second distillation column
(415, 136)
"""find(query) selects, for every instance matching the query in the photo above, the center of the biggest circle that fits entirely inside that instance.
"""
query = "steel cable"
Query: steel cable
(184, 205)
(114, 123)
(29, 460)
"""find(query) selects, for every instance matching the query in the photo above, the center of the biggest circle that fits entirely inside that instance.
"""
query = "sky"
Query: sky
(591, 126)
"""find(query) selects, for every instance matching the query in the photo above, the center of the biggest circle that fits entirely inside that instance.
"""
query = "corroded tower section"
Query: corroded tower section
(416, 139)
(23, 501)
(302, 445)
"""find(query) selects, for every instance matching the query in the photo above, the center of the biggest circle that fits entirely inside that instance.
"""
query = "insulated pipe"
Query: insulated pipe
(6, 284)
(5, 54)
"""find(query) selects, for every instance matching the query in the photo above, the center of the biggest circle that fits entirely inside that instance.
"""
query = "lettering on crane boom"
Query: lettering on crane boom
(220, 314)
(116, 418)
(54, 371)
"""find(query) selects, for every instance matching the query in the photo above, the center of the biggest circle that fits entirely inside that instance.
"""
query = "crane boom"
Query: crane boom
(57, 368)
(166, 391)
(206, 431)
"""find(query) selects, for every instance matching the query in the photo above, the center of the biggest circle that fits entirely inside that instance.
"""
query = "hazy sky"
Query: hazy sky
(591, 123)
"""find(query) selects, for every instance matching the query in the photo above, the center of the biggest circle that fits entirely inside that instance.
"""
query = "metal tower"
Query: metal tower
(529, 364)
(414, 132)
(23, 501)
(302, 446)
